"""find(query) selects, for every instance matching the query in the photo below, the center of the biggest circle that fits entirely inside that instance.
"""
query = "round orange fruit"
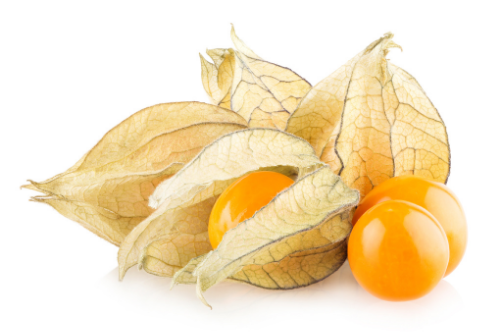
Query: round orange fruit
(398, 251)
(242, 199)
(435, 197)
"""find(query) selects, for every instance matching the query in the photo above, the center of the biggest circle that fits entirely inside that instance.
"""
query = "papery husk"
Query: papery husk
(263, 93)
(370, 121)
(311, 232)
(107, 191)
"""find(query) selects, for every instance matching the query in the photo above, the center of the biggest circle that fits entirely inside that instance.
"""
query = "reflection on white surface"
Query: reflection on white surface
(338, 296)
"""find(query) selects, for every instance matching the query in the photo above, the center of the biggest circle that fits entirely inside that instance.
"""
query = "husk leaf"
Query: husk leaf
(198, 184)
(304, 228)
(265, 94)
(298, 239)
(107, 191)
(370, 121)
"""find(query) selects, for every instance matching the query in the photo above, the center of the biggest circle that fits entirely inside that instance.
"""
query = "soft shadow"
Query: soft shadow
(338, 295)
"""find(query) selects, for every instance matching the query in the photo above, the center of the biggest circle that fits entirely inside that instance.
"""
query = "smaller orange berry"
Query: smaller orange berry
(242, 199)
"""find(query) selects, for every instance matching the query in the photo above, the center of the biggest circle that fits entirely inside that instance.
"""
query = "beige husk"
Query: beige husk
(313, 214)
(370, 121)
(107, 191)
(263, 93)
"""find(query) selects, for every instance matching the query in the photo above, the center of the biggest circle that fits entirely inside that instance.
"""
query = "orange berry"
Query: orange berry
(435, 197)
(242, 199)
(398, 251)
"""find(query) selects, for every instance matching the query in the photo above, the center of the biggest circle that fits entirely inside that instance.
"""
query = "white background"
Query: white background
(71, 71)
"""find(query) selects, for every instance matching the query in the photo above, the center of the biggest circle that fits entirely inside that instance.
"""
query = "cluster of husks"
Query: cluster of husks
(149, 185)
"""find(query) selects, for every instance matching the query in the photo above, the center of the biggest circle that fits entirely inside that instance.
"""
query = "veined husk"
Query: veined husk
(107, 191)
(263, 93)
(370, 120)
(297, 239)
